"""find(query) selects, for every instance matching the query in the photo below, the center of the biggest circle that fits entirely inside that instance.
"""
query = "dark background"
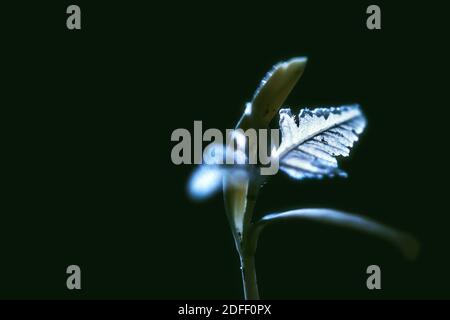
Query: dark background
(90, 180)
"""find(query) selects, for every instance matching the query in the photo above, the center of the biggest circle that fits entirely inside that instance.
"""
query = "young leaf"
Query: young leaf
(272, 93)
(267, 100)
(406, 243)
(308, 150)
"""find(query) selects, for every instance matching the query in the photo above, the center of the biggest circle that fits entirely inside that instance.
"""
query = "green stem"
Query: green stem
(249, 280)
(245, 241)
(248, 249)
(248, 269)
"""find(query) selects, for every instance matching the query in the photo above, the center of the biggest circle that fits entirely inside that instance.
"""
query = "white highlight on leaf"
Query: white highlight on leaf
(309, 149)
(207, 178)
(248, 109)
(296, 64)
(205, 181)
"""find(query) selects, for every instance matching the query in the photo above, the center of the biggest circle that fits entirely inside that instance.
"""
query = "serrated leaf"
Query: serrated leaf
(309, 149)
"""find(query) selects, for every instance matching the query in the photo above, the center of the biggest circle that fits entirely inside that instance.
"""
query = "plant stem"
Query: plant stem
(249, 280)
(244, 236)
(248, 246)
(248, 270)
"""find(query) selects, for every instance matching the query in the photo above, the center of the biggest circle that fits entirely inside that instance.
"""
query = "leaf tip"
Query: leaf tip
(410, 247)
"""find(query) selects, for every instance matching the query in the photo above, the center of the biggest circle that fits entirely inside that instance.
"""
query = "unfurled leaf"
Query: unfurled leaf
(309, 149)
(267, 100)
(272, 93)
(406, 243)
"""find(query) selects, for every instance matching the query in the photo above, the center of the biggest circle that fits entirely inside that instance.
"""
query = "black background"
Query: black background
(91, 179)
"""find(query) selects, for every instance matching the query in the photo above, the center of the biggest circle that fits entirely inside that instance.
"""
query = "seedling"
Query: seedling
(310, 143)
